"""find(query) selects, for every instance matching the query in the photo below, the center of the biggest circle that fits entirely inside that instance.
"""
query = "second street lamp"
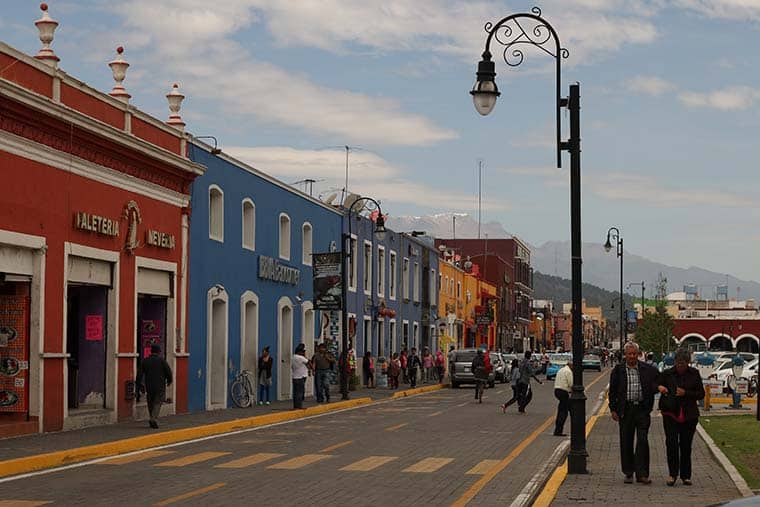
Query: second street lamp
(614, 233)
(348, 253)
(515, 32)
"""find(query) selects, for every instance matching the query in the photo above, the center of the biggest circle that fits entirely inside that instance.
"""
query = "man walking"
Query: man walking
(299, 366)
(633, 384)
(323, 363)
(563, 385)
(523, 385)
(157, 375)
(413, 362)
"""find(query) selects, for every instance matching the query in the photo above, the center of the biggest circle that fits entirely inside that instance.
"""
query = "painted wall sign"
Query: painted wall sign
(93, 328)
(159, 239)
(95, 223)
(271, 269)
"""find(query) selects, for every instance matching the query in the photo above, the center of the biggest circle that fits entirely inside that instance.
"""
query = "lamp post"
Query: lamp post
(614, 233)
(531, 29)
(346, 239)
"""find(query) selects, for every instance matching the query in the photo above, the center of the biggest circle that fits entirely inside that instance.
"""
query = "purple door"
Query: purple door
(86, 344)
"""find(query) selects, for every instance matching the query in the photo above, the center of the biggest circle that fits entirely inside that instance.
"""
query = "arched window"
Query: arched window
(284, 236)
(306, 241)
(215, 213)
(249, 224)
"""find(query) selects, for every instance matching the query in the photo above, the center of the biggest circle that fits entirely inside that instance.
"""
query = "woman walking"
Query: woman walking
(265, 375)
(395, 370)
(368, 367)
(680, 388)
(514, 376)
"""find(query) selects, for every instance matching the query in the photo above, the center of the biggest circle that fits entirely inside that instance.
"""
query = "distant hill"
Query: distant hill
(559, 290)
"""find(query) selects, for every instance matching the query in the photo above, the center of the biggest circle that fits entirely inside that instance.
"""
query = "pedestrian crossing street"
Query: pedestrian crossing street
(280, 461)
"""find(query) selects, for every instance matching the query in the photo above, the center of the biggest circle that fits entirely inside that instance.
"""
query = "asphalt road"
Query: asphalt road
(436, 449)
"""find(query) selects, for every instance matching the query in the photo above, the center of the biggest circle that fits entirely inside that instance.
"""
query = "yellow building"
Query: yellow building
(450, 304)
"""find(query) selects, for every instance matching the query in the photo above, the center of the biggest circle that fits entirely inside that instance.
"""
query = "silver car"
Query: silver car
(461, 369)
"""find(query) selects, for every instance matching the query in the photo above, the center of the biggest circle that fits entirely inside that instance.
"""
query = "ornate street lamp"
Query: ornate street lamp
(512, 32)
(346, 238)
(614, 233)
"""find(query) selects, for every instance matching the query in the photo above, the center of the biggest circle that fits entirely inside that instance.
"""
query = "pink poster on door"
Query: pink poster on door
(93, 328)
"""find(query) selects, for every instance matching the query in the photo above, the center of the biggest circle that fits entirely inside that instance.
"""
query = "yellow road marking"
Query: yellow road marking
(253, 459)
(728, 401)
(367, 464)
(394, 428)
(193, 458)
(21, 503)
(435, 413)
(428, 465)
(190, 494)
(558, 477)
(299, 462)
(482, 467)
(337, 446)
(123, 460)
(501, 465)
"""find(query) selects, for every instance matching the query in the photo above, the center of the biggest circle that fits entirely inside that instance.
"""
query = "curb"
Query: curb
(105, 449)
(729, 467)
(411, 392)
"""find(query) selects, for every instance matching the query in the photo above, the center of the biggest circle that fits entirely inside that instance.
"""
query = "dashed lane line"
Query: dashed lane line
(394, 428)
(251, 460)
(482, 467)
(191, 459)
(190, 494)
(299, 462)
(428, 465)
(368, 464)
(123, 460)
(337, 446)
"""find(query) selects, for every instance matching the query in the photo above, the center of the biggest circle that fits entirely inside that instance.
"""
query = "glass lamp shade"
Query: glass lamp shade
(380, 234)
(484, 95)
(608, 245)
(380, 227)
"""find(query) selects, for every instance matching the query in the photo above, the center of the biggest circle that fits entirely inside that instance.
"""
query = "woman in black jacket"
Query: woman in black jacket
(680, 388)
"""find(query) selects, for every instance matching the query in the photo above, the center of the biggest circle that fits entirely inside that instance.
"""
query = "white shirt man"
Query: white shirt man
(299, 366)
(563, 385)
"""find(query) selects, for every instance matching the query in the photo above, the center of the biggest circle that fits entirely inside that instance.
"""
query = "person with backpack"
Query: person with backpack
(514, 377)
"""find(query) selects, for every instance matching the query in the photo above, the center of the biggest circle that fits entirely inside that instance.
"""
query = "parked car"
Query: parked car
(461, 370)
(556, 361)
(499, 367)
(750, 370)
(592, 362)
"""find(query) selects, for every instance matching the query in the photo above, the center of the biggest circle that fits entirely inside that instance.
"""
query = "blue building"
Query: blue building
(392, 290)
(251, 240)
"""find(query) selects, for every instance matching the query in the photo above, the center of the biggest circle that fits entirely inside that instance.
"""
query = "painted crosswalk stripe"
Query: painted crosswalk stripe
(247, 461)
(435, 413)
(337, 446)
(193, 458)
(22, 503)
(190, 494)
(367, 464)
(394, 428)
(299, 462)
(428, 465)
(123, 460)
(482, 467)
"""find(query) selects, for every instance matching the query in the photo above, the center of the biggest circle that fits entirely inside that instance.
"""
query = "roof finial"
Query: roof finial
(119, 68)
(175, 99)
(46, 26)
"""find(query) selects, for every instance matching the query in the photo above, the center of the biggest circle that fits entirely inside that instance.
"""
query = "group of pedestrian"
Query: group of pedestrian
(520, 375)
(633, 386)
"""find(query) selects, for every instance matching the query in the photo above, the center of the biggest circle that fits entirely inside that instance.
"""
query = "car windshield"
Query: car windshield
(465, 357)
(591, 357)
(560, 358)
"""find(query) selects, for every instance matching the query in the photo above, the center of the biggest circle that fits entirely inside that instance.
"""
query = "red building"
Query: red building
(738, 334)
(93, 245)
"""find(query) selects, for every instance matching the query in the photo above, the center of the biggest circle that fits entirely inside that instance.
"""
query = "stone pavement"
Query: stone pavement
(16, 447)
(604, 483)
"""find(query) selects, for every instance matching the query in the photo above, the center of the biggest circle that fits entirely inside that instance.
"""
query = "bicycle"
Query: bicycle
(241, 390)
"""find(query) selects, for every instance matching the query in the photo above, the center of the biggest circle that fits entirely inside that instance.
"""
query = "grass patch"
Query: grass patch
(737, 437)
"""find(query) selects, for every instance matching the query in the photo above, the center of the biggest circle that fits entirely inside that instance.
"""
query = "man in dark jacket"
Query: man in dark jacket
(633, 385)
(158, 375)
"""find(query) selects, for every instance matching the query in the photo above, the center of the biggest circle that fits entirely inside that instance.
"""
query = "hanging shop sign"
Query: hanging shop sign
(95, 223)
(328, 281)
(159, 239)
(271, 269)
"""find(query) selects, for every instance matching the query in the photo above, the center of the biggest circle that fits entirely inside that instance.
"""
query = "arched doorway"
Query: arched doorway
(694, 342)
(285, 352)
(747, 343)
(307, 337)
(249, 333)
(720, 342)
(216, 348)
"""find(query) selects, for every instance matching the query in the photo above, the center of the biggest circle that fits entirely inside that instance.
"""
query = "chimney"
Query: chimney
(175, 99)
(46, 26)
(119, 68)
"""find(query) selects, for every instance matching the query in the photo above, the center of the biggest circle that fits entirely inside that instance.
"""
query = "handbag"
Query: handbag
(669, 403)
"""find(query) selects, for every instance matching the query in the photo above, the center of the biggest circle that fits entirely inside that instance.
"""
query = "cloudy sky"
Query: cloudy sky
(670, 97)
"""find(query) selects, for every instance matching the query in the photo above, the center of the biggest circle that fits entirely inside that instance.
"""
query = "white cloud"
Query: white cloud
(650, 85)
(646, 190)
(740, 10)
(728, 99)
(369, 174)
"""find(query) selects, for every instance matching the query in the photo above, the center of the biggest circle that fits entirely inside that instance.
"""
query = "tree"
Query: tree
(655, 329)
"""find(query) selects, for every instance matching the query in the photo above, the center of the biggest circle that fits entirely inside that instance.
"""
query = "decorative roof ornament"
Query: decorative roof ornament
(175, 98)
(46, 26)
(119, 68)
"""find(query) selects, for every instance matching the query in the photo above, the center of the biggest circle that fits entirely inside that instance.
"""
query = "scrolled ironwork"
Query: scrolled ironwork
(511, 31)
